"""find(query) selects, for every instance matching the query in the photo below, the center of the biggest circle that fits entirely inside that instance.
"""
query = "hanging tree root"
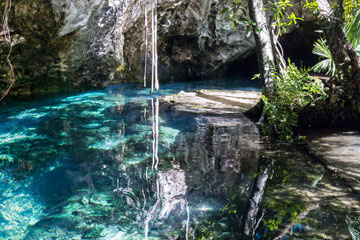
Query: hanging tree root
(154, 36)
(7, 37)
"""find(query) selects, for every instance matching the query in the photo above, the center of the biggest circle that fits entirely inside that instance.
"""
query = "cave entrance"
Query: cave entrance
(298, 44)
(242, 70)
(243, 67)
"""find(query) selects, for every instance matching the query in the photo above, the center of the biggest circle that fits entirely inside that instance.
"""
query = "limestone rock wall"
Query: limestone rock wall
(195, 39)
(70, 45)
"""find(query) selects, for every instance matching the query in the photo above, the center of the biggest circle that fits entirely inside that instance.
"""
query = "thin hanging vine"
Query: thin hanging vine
(154, 37)
(7, 37)
(146, 40)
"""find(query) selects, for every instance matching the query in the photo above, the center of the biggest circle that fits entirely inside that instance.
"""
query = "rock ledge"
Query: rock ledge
(214, 102)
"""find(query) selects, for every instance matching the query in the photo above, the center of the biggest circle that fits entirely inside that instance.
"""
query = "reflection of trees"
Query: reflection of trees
(300, 199)
(258, 189)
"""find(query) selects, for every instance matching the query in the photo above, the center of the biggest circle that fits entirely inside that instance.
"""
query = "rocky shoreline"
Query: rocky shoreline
(339, 152)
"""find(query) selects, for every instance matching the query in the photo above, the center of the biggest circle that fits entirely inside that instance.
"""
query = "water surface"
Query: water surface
(82, 166)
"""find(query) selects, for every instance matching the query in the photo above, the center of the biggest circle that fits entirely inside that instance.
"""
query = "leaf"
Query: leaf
(224, 10)
(256, 76)
(244, 12)
(327, 65)
(352, 30)
(248, 32)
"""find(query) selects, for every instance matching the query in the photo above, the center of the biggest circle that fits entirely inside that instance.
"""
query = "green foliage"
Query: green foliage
(238, 15)
(327, 64)
(313, 6)
(283, 212)
(351, 7)
(292, 90)
(281, 17)
(352, 31)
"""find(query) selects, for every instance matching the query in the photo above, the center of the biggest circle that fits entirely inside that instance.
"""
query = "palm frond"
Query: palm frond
(352, 30)
(327, 65)
(357, 50)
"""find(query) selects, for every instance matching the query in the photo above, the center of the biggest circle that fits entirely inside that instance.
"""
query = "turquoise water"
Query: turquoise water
(82, 166)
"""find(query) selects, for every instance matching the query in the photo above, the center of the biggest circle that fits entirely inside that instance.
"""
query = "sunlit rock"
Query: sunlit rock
(213, 101)
(172, 191)
(340, 152)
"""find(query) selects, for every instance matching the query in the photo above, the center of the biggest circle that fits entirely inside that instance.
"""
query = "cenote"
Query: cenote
(84, 166)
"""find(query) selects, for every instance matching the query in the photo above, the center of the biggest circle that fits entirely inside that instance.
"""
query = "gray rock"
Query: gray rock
(213, 102)
(60, 44)
(340, 153)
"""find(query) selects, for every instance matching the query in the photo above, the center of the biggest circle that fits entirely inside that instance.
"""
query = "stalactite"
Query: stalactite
(7, 36)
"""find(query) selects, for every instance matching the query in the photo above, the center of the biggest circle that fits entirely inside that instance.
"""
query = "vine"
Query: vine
(154, 37)
(7, 37)
(146, 40)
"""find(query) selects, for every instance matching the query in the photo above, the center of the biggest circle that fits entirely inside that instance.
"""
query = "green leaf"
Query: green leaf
(224, 10)
(327, 65)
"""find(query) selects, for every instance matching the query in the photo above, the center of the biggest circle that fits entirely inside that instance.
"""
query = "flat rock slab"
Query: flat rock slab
(341, 153)
(213, 101)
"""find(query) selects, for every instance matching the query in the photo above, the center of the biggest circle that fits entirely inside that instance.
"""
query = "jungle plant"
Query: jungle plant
(352, 31)
(292, 90)
(327, 64)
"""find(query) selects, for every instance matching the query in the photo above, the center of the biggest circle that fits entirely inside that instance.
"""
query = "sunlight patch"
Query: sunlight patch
(108, 143)
(7, 138)
(31, 113)
(6, 157)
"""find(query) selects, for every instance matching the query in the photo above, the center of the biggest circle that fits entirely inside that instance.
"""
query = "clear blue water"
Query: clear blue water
(81, 167)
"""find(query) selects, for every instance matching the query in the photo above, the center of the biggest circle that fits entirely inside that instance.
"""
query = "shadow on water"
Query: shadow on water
(81, 167)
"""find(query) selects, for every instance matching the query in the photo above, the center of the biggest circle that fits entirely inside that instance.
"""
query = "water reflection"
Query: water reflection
(124, 166)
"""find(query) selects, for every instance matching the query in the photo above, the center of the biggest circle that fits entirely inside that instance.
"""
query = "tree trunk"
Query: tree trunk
(263, 42)
(345, 58)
